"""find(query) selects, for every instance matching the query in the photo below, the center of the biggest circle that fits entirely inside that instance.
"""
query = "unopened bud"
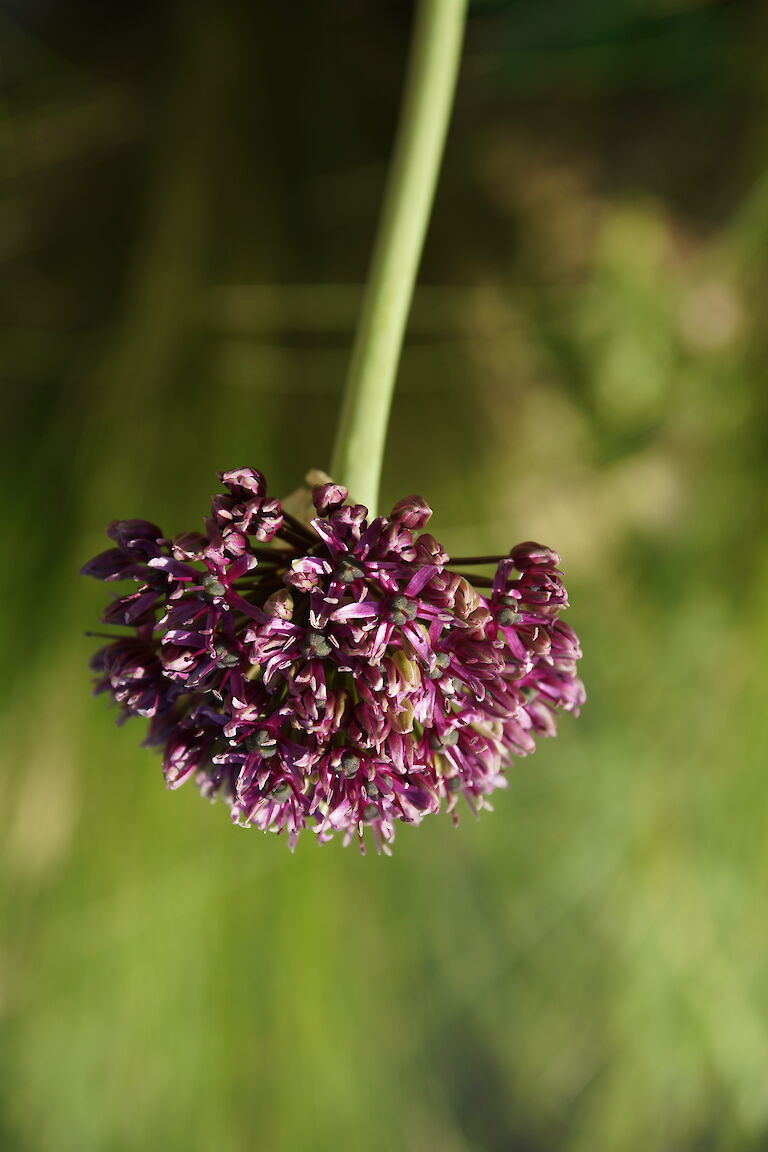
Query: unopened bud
(530, 554)
(408, 669)
(280, 605)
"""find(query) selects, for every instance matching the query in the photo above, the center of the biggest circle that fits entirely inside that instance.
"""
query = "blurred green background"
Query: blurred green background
(188, 196)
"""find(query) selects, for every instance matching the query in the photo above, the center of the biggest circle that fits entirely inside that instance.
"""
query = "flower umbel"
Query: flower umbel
(337, 674)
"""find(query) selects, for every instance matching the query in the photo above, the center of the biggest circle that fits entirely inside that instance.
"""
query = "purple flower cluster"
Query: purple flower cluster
(337, 674)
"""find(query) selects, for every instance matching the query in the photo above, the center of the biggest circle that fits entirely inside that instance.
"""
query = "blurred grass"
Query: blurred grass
(583, 969)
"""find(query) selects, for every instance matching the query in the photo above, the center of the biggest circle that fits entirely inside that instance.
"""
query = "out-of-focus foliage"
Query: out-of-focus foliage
(188, 194)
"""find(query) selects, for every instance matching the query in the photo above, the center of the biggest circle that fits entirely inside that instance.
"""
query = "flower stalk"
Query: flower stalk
(427, 101)
(339, 672)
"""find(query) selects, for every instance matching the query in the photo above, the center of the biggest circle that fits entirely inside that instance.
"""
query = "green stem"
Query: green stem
(427, 100)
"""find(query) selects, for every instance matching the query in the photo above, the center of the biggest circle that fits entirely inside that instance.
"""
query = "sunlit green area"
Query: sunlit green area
(188, 195)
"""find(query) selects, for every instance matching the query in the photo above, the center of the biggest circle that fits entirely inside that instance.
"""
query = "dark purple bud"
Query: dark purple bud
(110, 565)
(429, 551)
(137, 538)
(269, 521)
(530, 554)
(539, 587)
(133, 611)
(189, 546)
(328, 497)
(412, 512)
(244, 482)
(350, 518)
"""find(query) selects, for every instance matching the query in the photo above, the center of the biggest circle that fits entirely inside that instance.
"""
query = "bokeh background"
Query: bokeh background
(188, 196)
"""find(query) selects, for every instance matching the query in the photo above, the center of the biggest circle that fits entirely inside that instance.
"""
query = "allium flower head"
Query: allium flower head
(337, 674)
